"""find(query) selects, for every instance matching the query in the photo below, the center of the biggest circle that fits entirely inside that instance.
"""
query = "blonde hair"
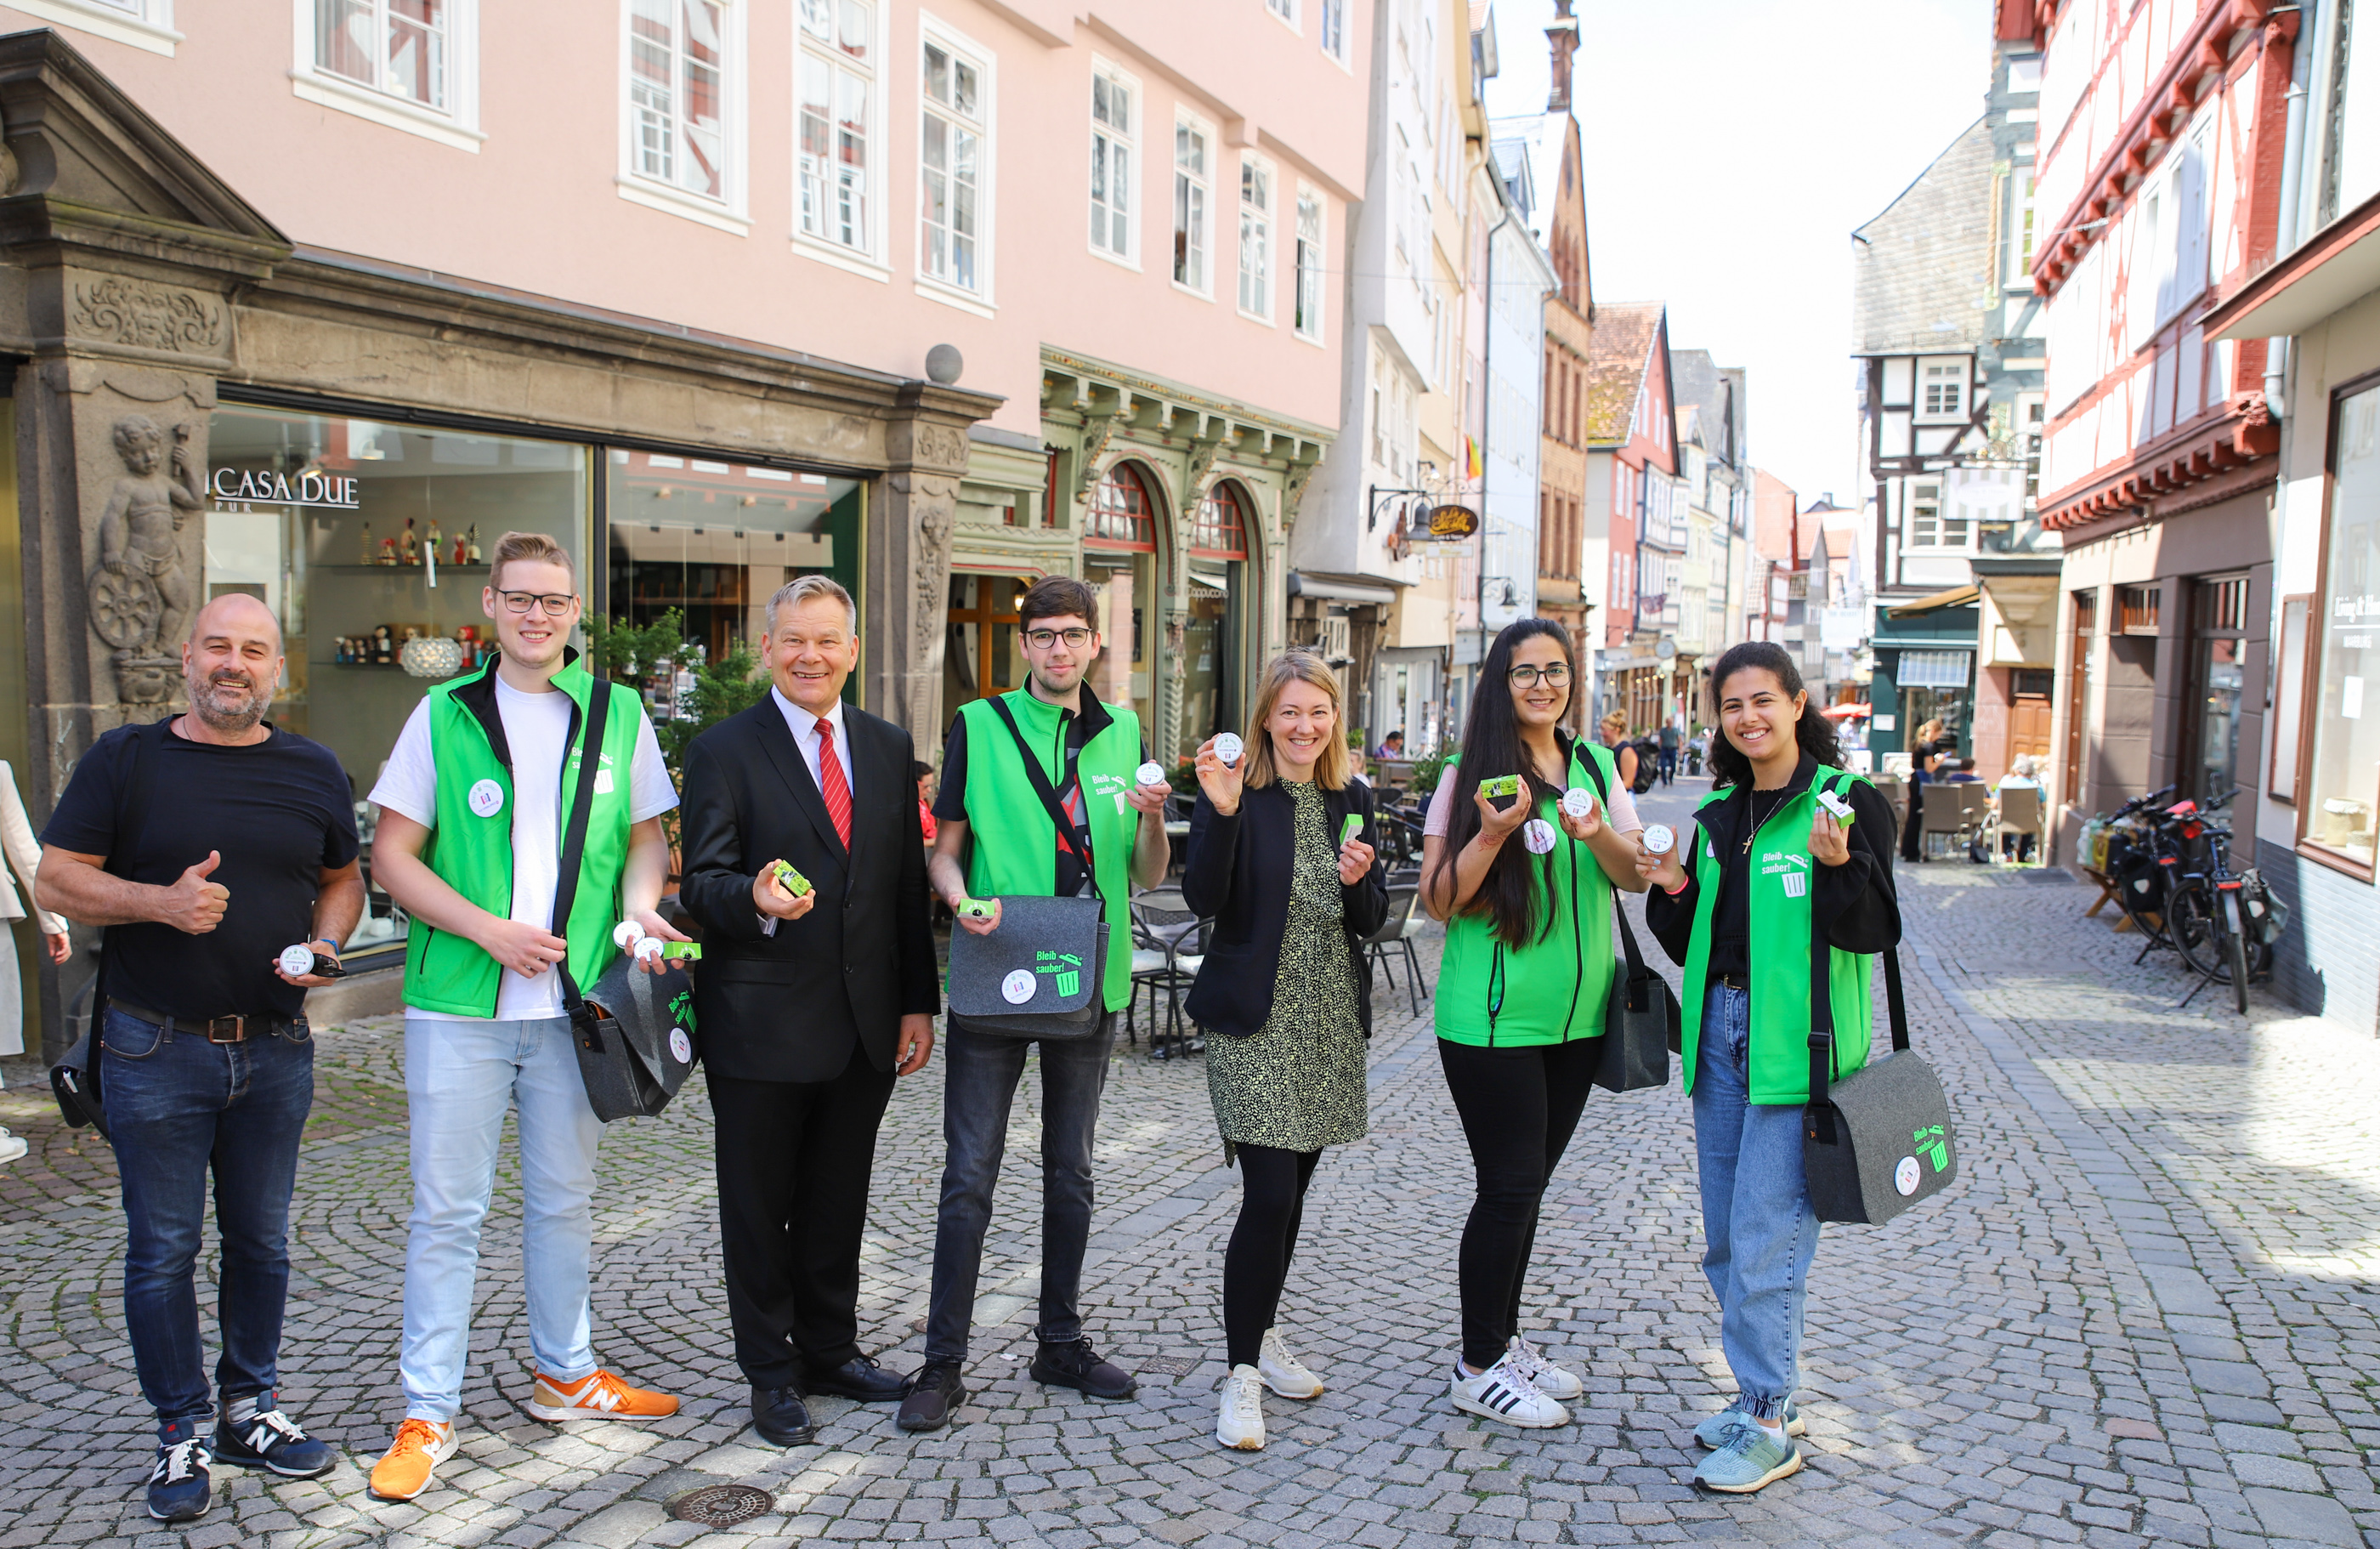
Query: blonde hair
(1332, 769)
(810, 589)
(534, 548)
(1613, 720)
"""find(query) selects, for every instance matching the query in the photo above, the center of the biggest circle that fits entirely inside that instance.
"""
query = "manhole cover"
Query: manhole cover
(722, 1505)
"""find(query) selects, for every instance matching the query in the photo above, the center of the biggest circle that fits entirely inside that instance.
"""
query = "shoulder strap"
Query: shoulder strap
(1822, 1000)
(1627, 932)
(574, 837)
(1042, 788)
(132, 795)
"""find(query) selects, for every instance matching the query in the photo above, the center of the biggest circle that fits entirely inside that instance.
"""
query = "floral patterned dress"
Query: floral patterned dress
(1298, 1083)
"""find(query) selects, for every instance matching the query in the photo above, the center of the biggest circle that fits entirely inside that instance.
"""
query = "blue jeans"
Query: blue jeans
(179, 1107)
(460, 1079)
(979, 1076)
(1759, 1233)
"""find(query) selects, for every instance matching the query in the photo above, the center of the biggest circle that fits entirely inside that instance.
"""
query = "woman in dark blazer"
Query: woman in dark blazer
(1283, 993)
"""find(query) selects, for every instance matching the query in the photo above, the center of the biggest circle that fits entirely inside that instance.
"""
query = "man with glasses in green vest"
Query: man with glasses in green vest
(994, 836)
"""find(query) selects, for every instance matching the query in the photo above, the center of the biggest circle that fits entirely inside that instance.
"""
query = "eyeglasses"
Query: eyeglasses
(1042, 639)
(1555, 674)
(554, 605)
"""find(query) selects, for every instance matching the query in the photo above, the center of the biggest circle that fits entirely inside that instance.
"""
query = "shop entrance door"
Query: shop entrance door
(2218, 615)
(2029, 713)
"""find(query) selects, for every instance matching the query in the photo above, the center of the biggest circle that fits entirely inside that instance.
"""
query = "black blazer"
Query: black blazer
(788, 1007)
(1237, 871)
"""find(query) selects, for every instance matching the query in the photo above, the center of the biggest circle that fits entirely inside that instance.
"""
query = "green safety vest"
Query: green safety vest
(1780, 950)
(473, 852)
(1015, 841)
(1555, 988)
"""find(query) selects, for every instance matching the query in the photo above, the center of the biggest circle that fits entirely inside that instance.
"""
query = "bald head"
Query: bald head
(231, 663)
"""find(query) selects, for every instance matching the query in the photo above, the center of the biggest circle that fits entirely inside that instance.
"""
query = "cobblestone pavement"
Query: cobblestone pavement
(2147, 1313)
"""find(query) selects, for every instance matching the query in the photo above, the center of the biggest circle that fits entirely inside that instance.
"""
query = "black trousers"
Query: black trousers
(794, 1160)
(1255, 1265)
(1519, 1107)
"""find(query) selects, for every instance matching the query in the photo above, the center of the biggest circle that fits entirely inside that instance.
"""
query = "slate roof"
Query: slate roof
(1922, 271)
(1536, 139)
(1698, 387)
(1622, 348)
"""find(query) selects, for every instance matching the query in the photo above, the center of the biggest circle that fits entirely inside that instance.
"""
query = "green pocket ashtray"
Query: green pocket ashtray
(1501, 785)
(793, 882)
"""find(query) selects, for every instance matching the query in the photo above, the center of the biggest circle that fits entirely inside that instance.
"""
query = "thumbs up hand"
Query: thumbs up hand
(193, 905)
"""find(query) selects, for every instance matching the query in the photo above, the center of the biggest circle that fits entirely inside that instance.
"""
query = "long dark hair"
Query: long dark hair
(1491, 747)
(1813, 731)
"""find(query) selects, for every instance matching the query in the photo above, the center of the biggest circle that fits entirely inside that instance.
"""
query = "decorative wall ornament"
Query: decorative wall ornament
(932, 508)
(132, 311)
(942, 446)
(141, 590)
(1098, 430)
(1202, 462)
(1293, 490)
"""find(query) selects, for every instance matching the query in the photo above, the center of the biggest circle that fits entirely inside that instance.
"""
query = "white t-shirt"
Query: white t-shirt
(536, 729)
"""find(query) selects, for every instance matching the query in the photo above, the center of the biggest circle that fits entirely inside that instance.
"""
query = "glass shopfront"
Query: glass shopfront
(1211, 645)
(1120, 563)
(2343, 776)
(365, 537)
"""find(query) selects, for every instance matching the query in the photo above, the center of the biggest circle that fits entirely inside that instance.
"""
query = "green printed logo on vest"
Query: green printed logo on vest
(1793, 868)
(1933, 1145)
(1065, 967)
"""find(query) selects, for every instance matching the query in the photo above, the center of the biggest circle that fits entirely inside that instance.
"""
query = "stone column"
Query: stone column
(908, 578)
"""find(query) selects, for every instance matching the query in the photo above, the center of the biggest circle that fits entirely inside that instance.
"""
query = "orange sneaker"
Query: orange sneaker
(404, 1472)
(597, 1395)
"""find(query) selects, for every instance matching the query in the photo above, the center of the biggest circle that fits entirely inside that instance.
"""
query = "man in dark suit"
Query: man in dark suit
(810, 1005)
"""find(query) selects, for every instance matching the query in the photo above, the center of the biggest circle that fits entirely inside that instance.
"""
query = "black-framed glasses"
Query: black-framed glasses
(554, 603)
(1042, 639)
(1555, 674)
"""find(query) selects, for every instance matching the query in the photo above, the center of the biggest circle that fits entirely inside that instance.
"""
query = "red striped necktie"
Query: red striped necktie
(831, 785)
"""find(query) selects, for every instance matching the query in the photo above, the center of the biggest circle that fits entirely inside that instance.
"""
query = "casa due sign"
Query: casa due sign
(336, 492)
(1446, 524)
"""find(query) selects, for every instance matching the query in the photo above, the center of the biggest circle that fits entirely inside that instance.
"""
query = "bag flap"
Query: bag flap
(648, 1009)
(1044, 959)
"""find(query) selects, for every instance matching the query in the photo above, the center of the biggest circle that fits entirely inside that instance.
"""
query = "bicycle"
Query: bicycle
(2211, 916)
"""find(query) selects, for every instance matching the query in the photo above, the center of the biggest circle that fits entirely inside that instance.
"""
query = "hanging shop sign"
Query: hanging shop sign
(1445, 524)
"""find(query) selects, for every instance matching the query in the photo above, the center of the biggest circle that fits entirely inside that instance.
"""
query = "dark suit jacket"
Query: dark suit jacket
(788, 1007)
(1237, 871)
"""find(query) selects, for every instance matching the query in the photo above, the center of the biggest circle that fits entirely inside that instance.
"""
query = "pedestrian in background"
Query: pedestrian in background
(1526, 889)
(1288, 1006)
(1669, 754)
(1737, 909)
(207, 845)
(471, 811)
(25, 856)
(1614, 728)
(1922, 752)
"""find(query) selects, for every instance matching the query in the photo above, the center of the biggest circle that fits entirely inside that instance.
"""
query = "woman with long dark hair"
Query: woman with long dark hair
(1281, 858)
(1525, 885)
(1738, 903)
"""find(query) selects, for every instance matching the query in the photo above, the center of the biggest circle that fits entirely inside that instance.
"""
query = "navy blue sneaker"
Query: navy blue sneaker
(265, 1438)
(179, 1487)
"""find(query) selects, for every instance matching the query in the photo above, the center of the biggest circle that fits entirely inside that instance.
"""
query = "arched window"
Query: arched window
(1123, 514)
(1221, 529)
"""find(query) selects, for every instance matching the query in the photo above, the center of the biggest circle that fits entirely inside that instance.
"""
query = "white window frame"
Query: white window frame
(1204, 181)
(978, 299)
(1285, 12)
(145, 24)
(869, 261)
(729, 211)
(1331, 30)
(1270, 276)
(1309, 264)
(2023, 221)
(1963, 376)
(456, 126)
(1127, 137)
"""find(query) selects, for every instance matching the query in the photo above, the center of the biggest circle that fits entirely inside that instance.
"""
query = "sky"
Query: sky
(1731, 147)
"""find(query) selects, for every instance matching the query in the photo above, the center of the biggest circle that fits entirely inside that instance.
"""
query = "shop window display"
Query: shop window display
(2343, 777)
(1120, 563)
(1211, 638)
(368, 541)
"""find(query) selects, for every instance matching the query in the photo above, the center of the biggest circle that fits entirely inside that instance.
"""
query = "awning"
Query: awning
(1343, 589)
(1957, 596)
(1934, 669)
(2339, 268)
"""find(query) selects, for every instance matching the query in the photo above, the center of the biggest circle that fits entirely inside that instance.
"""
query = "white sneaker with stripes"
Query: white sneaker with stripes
(1555, 1383)
(1502, 1393)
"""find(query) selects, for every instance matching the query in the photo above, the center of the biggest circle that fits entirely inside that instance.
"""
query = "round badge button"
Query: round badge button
(487, 798)
(1905, 1177)
(681, 1046)
(1017, 988)
(1538, 834)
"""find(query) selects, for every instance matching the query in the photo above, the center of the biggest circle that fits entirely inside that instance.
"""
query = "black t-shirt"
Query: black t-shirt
(950, 798)
(280, 811)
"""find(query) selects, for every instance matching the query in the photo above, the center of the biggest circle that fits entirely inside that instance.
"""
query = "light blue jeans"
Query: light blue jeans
(1759, 1233)
(460, 1079)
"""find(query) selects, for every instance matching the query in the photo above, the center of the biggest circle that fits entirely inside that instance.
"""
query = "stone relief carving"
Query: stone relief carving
(940, 447)
(1098, 430)
(151, 316)
(933, 508)
(1293, 490)
(1202, 462)
(141, 590)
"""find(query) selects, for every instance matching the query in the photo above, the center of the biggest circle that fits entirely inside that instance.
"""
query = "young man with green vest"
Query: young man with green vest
(1785, 844)
(994, 836)
(473, 801)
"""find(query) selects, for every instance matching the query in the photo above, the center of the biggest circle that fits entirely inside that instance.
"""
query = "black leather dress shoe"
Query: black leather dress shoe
(781, 1417)
(859, 1378)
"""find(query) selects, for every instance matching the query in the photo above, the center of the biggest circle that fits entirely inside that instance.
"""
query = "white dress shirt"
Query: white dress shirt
(804, 726)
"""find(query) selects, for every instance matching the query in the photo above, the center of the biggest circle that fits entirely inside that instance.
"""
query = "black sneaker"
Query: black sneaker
(931, 1396)
(180, 1489)
(1079, 1366)
(269, 1439)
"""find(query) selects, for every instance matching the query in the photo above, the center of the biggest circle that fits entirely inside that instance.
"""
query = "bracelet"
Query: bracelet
(1674, 892)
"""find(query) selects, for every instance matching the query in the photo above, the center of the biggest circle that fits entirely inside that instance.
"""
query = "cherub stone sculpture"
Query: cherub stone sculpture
(141, 592)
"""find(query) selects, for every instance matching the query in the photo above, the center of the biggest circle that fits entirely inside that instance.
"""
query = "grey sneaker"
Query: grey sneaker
(1749, 1459)
(1712, 1432)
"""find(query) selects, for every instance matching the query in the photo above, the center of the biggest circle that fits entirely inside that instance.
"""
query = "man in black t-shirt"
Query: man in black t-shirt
(207, 845)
